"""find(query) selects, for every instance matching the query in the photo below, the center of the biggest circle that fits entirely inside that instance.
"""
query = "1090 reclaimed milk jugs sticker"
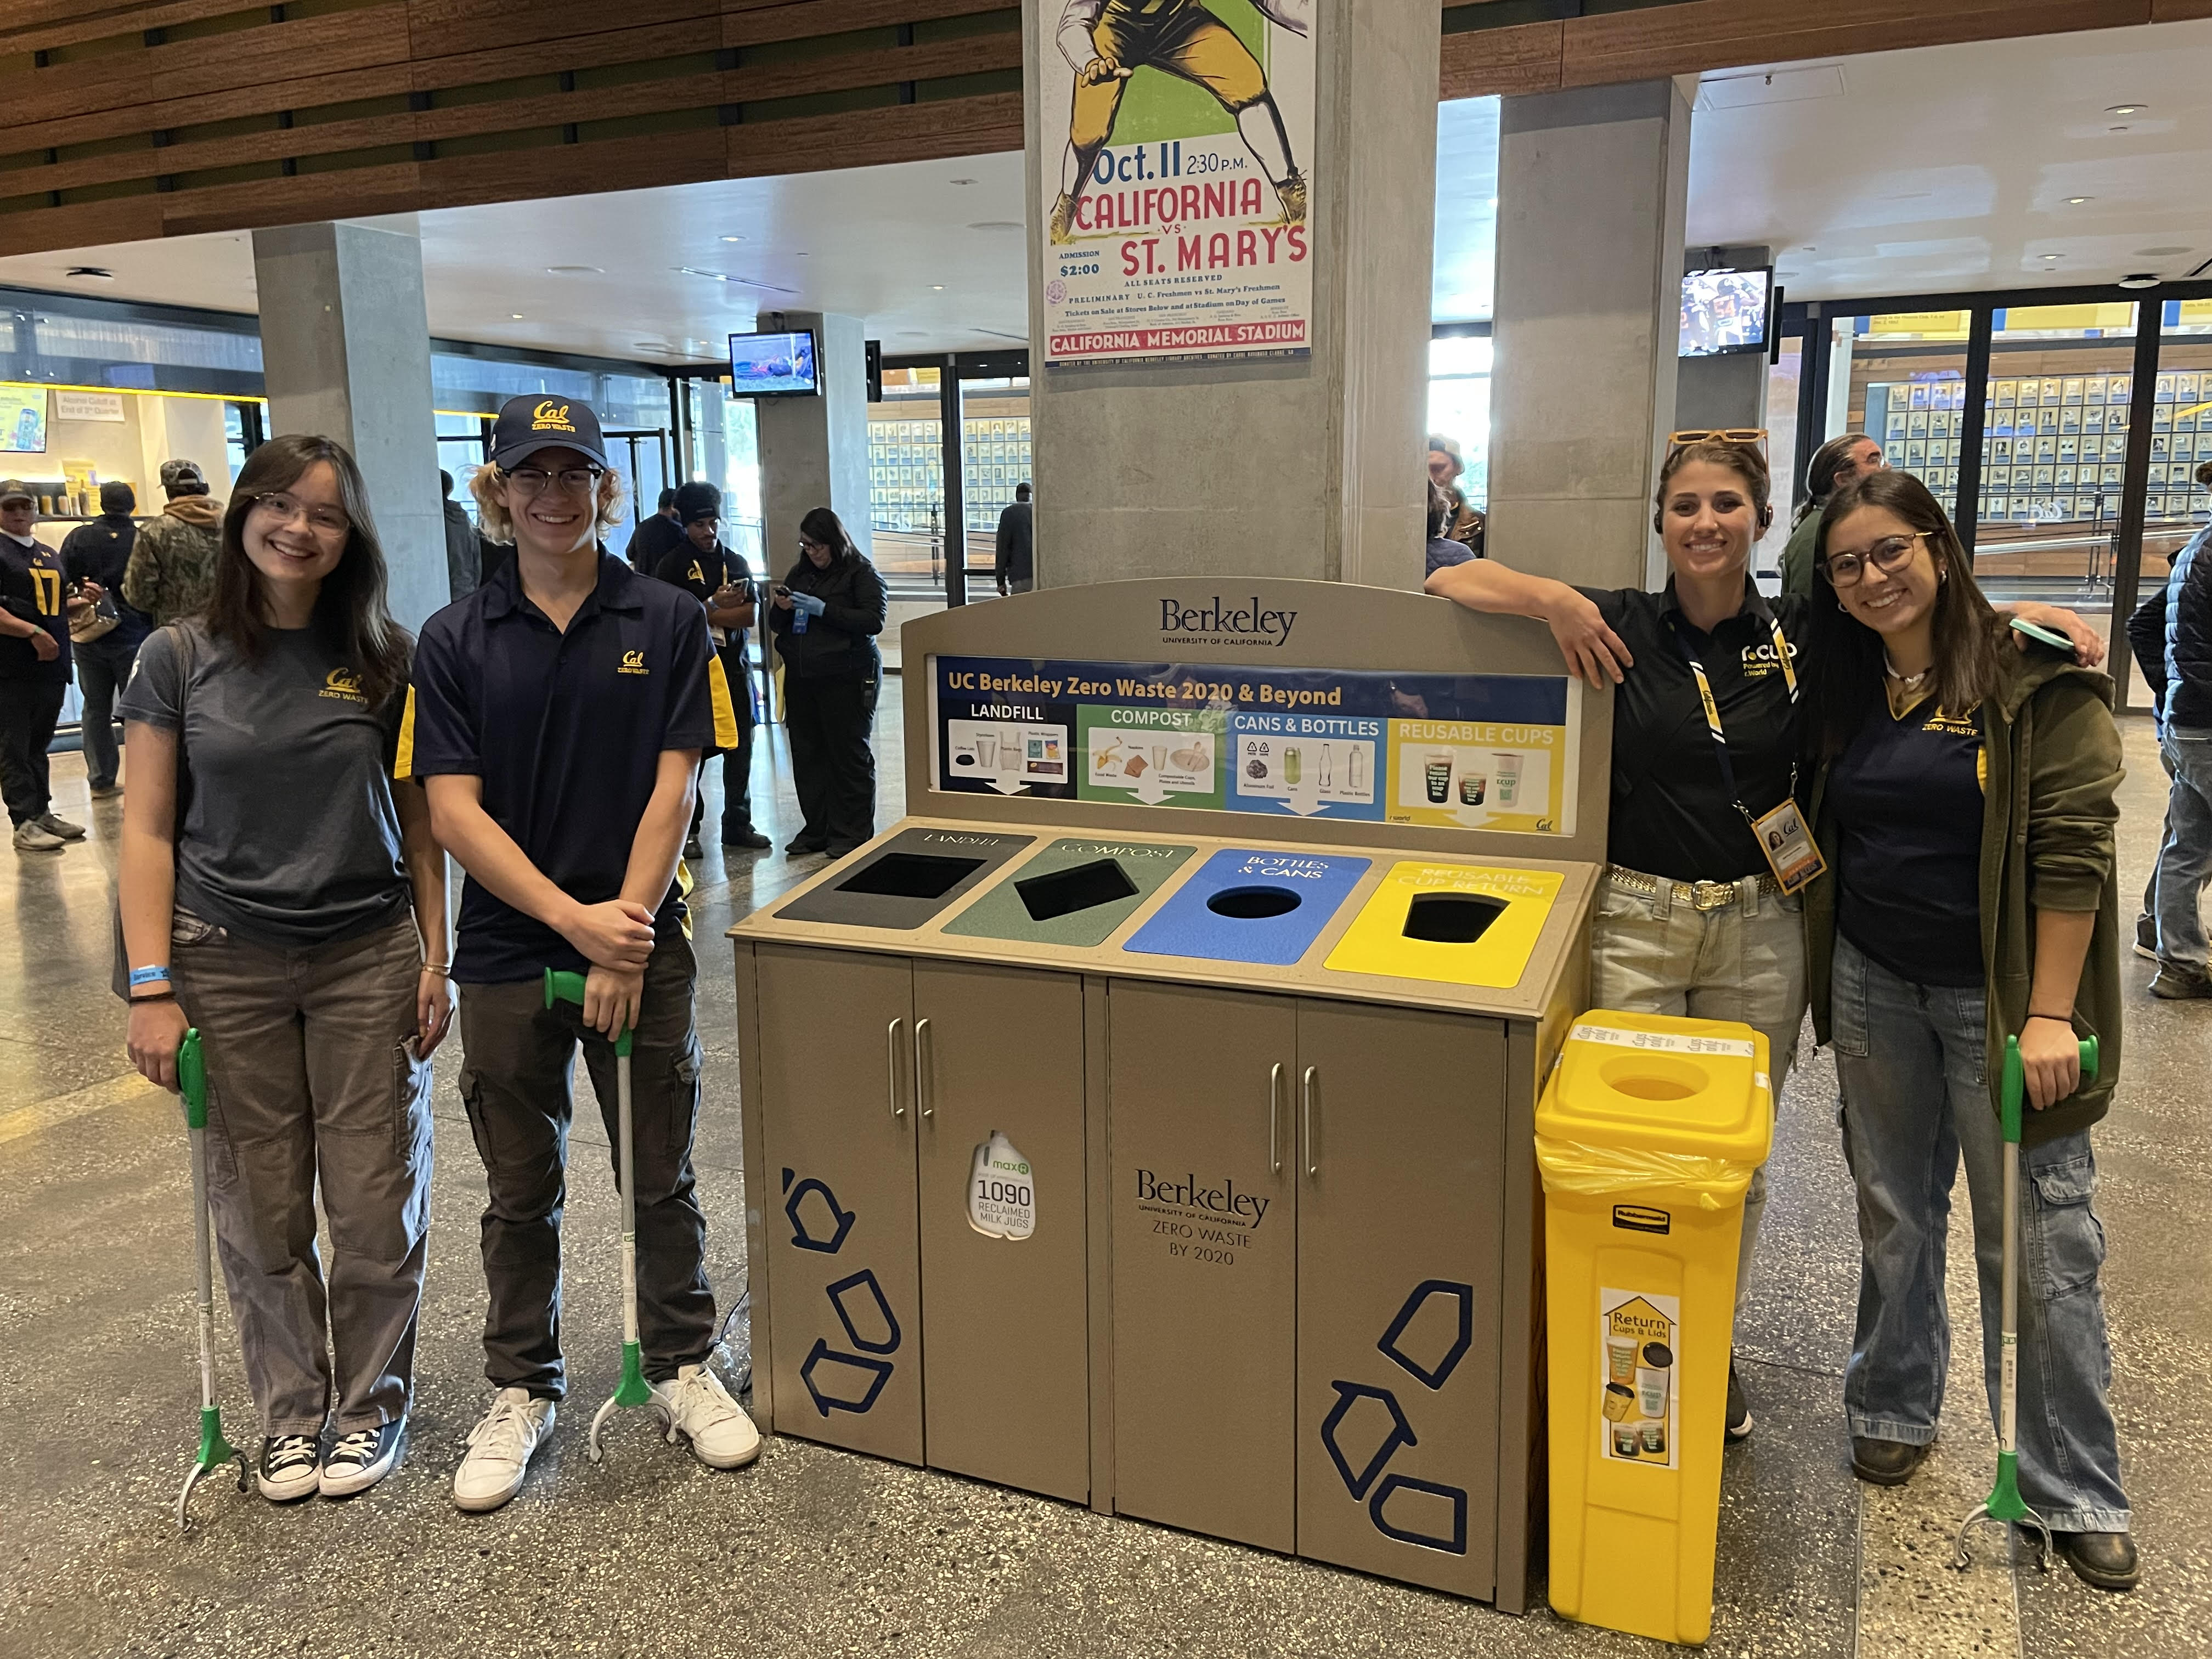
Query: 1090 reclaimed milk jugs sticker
(1639, 1338)
(1002, 1190)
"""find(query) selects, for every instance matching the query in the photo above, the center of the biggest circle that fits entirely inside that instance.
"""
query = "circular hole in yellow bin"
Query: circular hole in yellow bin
(1654, 1077)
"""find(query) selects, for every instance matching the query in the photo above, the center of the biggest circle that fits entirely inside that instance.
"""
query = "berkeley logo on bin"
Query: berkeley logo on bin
(1218, 621)
(1366, 1416)
(837, 1379)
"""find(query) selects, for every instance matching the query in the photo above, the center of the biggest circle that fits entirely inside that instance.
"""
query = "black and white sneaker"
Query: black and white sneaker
(290, 1466)
(359, 1458)
(1739, 1406)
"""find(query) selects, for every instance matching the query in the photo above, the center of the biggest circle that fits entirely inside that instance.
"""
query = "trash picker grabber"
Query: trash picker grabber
(214, 1451)
(633, 1389)
(2004, 1505)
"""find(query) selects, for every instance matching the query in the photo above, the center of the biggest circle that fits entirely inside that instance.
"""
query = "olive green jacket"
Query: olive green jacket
(2048, 812)
(1798, 555)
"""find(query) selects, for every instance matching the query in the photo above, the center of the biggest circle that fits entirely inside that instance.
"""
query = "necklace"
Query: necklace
(1910, 682)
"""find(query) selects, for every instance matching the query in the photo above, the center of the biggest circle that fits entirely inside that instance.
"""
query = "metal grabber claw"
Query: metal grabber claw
(214, 1451)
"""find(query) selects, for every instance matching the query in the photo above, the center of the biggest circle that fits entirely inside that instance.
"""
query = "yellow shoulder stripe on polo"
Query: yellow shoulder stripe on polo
(403, 760)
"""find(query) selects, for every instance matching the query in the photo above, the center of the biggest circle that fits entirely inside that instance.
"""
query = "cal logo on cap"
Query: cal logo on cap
(550, 416)
(633, 662)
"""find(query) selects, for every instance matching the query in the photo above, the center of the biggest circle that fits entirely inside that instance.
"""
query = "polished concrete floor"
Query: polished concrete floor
(814, 1552)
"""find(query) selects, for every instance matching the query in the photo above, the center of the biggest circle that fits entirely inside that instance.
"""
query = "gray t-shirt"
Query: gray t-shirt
(290, 837)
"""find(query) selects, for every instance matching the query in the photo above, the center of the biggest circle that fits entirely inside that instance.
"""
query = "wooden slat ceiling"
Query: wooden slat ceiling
(128, 122)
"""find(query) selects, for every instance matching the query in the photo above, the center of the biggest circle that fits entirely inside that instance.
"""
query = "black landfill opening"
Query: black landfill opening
(1080, 887)
(1451, 917)
(910, 875)
(1253, 903)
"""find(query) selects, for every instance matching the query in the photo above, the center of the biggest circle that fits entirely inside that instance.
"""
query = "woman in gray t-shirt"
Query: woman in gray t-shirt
(282, 896)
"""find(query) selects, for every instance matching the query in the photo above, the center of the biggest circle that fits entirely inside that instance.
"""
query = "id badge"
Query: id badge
(1789, 847)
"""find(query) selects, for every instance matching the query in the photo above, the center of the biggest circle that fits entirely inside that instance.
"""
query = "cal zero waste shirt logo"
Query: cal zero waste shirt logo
(1218, 621)
(633, 662)
(344, 685)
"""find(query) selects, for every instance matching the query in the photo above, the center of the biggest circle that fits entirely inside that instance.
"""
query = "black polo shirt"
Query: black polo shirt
(567, 731)
(1672, 816)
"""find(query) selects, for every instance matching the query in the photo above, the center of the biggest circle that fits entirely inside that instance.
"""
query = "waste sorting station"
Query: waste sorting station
(1146, 1119)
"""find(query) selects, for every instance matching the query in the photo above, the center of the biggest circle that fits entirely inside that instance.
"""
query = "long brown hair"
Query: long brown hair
(1845, 684)
(351, 612)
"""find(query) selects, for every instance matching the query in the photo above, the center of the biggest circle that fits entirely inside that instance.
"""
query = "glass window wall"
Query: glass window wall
(906, 484)
(1459, 406)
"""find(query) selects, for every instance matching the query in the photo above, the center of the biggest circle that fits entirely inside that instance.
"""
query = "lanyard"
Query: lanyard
(1713, 711)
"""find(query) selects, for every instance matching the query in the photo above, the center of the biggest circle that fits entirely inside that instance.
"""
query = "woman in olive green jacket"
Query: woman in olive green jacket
(1964, 798)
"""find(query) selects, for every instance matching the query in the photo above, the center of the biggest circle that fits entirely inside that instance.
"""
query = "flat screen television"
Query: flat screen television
(1726, 310)
(774, 365)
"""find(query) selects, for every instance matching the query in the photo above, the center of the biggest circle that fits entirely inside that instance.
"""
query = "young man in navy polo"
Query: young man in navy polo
(558, 717)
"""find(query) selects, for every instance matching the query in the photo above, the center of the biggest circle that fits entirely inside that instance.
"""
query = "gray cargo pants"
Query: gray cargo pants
(312, 1080)
(516, 1055)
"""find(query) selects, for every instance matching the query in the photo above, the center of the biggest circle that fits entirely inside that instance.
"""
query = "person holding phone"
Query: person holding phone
(1965, 797)
(722, 582)
(558, 716)
(826, 614)
(278, 893)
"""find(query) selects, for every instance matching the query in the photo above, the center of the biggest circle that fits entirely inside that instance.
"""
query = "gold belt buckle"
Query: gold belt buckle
(1711, 894)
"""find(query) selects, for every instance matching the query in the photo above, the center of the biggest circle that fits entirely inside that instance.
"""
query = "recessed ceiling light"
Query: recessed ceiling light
(91, 273)
(2141, 279)
(514, 316)
(2048, 258)
(2125, 109)
(2076, 200)
(576, 271)
(937, 287)
(733, 239)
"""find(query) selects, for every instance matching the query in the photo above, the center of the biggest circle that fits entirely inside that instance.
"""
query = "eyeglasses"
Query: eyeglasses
(280, 508)
(1845, 569)
(806, 546)
(1727, 434)
(575, 480)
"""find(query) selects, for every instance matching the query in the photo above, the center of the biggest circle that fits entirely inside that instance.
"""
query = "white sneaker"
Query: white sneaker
(32, 837)
(500, 1450)
(359, 1458)
(699, 1407)
(61, 827)
(290, 1466)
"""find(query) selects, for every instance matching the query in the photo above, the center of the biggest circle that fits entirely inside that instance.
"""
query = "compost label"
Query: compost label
(1640, 1348)
(1002, 1190)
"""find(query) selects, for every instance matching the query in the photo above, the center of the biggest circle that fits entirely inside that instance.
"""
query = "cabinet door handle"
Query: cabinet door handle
(1275, 1114)
(891, 1065)
(924, 1094)
(1311, 1088)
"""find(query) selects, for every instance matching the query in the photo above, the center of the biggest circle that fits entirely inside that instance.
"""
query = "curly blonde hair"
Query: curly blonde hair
(494, 523)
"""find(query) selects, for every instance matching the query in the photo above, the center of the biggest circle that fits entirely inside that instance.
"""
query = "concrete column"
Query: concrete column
(1591, 190)
(1307, 467)
(345, 351)
(814, 451)
(1715, 394)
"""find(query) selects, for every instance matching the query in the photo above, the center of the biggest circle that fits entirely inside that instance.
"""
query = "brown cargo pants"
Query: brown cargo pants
(313, 1080)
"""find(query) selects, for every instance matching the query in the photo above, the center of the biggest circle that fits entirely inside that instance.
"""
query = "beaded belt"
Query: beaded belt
(1697, 895)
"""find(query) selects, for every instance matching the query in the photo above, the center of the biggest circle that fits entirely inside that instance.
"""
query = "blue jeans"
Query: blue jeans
(2185, 855)
(102, 669)
(1916, 1099)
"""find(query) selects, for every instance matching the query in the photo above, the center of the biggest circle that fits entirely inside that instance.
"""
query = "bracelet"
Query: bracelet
(148, 975)
(443, 970)
(2064, 1019)
(157, 996)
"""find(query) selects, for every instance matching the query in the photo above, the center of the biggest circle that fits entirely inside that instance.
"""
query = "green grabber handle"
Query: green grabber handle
(214, 1450)
(635, 1390)
(2004, 1503)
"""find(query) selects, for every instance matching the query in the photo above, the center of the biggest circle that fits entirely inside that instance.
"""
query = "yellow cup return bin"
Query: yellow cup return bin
(1647, 1136)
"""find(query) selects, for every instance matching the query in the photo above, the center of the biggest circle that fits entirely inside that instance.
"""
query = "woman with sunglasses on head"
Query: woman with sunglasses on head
(1965, 794)
(278, 894)
(825, 614)
(1706, 856)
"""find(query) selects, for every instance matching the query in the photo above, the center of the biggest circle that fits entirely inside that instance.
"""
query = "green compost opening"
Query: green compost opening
(1080, 887)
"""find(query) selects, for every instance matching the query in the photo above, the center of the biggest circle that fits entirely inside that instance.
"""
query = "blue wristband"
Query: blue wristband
(148, 976)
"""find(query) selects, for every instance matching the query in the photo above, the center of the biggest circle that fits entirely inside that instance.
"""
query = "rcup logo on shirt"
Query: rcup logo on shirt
(343, 685)
(550, 416)
(1759, 659)
(633, 662)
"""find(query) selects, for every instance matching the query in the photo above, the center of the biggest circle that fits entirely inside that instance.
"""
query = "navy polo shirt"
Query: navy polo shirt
(567, 731)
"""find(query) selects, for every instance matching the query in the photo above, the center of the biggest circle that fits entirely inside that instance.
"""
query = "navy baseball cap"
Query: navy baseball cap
(536, 421)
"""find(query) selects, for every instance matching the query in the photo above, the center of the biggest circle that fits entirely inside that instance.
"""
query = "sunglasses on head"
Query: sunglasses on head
(1749, 435)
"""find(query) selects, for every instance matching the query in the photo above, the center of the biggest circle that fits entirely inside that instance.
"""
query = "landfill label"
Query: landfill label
(1002, 1190)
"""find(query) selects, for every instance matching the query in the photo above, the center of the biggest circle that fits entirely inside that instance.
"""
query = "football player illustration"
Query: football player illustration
(1106, 41)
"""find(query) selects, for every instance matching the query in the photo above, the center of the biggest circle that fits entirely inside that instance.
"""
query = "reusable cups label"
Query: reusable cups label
(1639, 1338)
